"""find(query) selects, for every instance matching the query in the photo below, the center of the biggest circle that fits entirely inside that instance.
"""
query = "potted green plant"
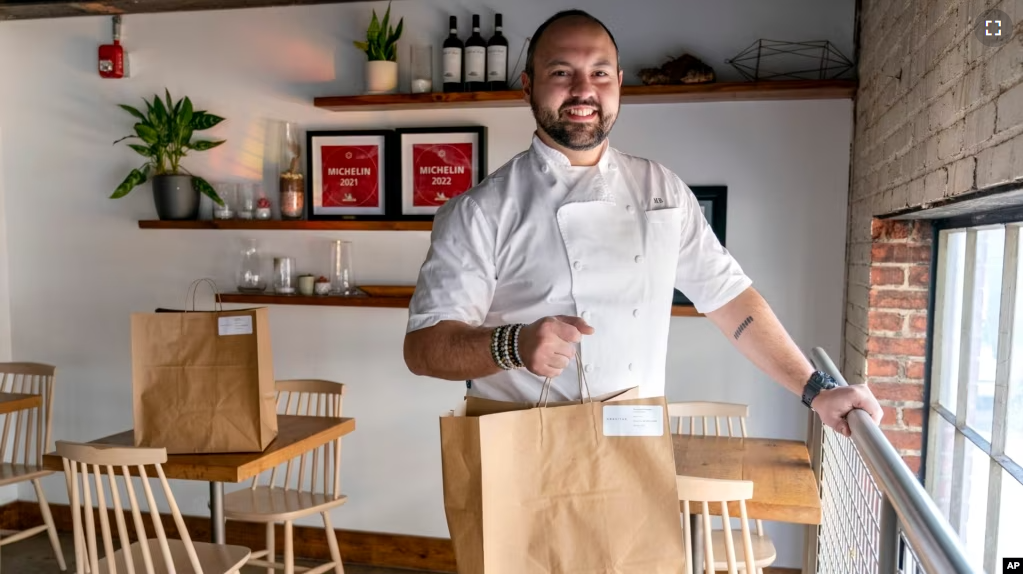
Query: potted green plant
(165, 131)
(381, 54)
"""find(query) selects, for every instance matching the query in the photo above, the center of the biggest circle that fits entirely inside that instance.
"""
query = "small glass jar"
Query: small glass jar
(246, 200)
(226, 191)
(284, 275)
(291, 179)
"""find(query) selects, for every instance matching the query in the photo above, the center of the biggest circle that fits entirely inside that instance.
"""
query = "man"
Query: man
(575, 242)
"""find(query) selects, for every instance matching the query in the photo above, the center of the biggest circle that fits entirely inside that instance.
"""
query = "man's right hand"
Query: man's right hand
(546, 345)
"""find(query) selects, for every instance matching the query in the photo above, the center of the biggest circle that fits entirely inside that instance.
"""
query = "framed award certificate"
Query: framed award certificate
(348, 174)
(438, 164)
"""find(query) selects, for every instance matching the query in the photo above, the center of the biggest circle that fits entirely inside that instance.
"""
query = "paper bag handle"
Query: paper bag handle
(545, 391)
(194, 288)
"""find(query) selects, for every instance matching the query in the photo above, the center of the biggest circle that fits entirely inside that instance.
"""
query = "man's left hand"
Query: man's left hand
(833, 405)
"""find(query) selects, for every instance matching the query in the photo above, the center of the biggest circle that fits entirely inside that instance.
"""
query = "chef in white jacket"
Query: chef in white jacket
(574, 243)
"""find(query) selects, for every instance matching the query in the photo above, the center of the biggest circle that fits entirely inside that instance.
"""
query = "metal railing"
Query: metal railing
(883, 519)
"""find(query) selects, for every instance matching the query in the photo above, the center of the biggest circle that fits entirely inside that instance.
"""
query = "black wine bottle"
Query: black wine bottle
(497, 58)
(452, 58)
(476, 59)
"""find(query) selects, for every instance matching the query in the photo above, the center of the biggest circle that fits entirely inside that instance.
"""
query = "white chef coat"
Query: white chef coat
(526, 243)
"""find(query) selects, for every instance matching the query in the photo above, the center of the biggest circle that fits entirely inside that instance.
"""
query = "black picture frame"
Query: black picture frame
(479, 161)
(715, 199)
(387, 173)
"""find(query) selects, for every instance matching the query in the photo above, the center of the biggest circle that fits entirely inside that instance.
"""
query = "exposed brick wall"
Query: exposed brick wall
(897, 324)
(937, 115)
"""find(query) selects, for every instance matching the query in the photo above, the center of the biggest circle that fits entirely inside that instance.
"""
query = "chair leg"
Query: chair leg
(51, 530)
(289, 556)
(270, 546)
(332, 544)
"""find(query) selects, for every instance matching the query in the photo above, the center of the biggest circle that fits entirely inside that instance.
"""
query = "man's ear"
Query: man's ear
(527, 88)
(620, 77)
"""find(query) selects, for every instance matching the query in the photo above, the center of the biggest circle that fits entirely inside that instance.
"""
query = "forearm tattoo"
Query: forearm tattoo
(743, 326)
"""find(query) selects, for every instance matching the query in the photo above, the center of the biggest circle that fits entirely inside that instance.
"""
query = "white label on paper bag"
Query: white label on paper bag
(237, 325)
(633, 420)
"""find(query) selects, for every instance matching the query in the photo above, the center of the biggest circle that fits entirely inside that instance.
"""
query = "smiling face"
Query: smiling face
(574, 92)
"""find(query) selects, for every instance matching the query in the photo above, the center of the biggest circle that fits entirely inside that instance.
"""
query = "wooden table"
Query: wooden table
(784, 486)
(295, 435)
(11, 402)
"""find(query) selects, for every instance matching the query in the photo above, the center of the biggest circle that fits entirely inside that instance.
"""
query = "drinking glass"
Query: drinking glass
(422, 74)
(284, 275)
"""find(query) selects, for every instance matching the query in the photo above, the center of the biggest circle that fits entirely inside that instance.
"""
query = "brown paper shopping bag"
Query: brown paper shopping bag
(203, 381)
(587, 487)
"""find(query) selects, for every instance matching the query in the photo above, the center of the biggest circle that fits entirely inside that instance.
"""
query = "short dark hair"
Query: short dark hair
(535, 39)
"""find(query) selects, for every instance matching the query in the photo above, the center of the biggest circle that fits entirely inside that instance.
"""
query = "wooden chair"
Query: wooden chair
(84, 468)
(288, 501)
(26, 435)
(703, 411)
(720, 545)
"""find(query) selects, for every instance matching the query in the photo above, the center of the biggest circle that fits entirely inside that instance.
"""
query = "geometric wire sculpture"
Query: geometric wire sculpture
(771, 59)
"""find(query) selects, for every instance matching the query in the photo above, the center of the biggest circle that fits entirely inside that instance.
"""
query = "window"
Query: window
(975, 435)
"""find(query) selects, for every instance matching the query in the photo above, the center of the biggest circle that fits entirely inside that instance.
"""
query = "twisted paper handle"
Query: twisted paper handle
(545, 391)
(193, 290)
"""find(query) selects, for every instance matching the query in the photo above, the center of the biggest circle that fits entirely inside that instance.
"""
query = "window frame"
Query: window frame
(994, 450)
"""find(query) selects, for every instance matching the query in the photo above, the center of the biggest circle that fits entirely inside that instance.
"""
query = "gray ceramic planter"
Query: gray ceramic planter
(175, 198)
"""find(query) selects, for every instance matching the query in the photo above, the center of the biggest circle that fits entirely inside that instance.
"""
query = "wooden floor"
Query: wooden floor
(34, 555)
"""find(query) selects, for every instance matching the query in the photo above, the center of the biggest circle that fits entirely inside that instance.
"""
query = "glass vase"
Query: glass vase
(251, 277)
(342, 276)
(291, 180)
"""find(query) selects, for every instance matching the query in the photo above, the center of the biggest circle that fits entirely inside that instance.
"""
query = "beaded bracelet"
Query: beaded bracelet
(515, 347)
(497, 341)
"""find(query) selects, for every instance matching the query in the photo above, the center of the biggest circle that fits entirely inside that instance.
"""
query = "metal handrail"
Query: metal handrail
(936, 544)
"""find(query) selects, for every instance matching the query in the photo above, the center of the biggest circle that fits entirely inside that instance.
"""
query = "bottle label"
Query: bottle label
(452, 65)
(475, 63)
(496, 62)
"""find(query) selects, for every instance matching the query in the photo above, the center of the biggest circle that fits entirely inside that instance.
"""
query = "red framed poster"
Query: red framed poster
(438, 164)
(348, 174)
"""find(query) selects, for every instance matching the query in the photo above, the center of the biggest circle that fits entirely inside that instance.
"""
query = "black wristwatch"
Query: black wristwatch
(819, 381)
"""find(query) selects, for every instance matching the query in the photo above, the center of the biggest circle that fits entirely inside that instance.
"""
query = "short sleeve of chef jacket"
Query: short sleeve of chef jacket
(706, 272)
(457, 279)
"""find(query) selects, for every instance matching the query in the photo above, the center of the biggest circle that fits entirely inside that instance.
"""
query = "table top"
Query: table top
(10, 402)
(295, 435)
(784, 486)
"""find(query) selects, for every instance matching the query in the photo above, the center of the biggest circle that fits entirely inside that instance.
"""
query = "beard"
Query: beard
(572, 135)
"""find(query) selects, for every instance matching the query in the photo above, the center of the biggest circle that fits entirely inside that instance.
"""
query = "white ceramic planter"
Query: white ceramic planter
(381, 77)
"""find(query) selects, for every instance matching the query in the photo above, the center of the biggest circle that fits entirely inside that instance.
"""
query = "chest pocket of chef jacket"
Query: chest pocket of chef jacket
(662, 237)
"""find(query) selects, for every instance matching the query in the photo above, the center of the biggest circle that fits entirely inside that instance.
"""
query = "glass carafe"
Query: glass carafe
(251, 277)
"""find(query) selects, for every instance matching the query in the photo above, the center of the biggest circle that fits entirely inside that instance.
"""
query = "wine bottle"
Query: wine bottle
(497, 58)
(476, 59)
(452, 58)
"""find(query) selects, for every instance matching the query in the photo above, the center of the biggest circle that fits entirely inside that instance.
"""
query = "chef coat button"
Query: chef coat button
(586, 315)
(629, 208)
(636, 312)
(630, 366)
(544, 168)
(577, 265)
(639, 259)
(589, 368)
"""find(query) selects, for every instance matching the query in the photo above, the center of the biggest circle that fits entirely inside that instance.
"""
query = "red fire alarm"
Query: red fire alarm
(112, 61)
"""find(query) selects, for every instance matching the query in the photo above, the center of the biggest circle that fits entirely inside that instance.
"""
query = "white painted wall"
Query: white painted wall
(78, 265)
(7, 493)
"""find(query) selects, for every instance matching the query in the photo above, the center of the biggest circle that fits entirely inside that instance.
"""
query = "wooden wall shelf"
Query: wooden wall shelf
(386, 296)
(341, 225)
(713, 92)
(37, 9)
